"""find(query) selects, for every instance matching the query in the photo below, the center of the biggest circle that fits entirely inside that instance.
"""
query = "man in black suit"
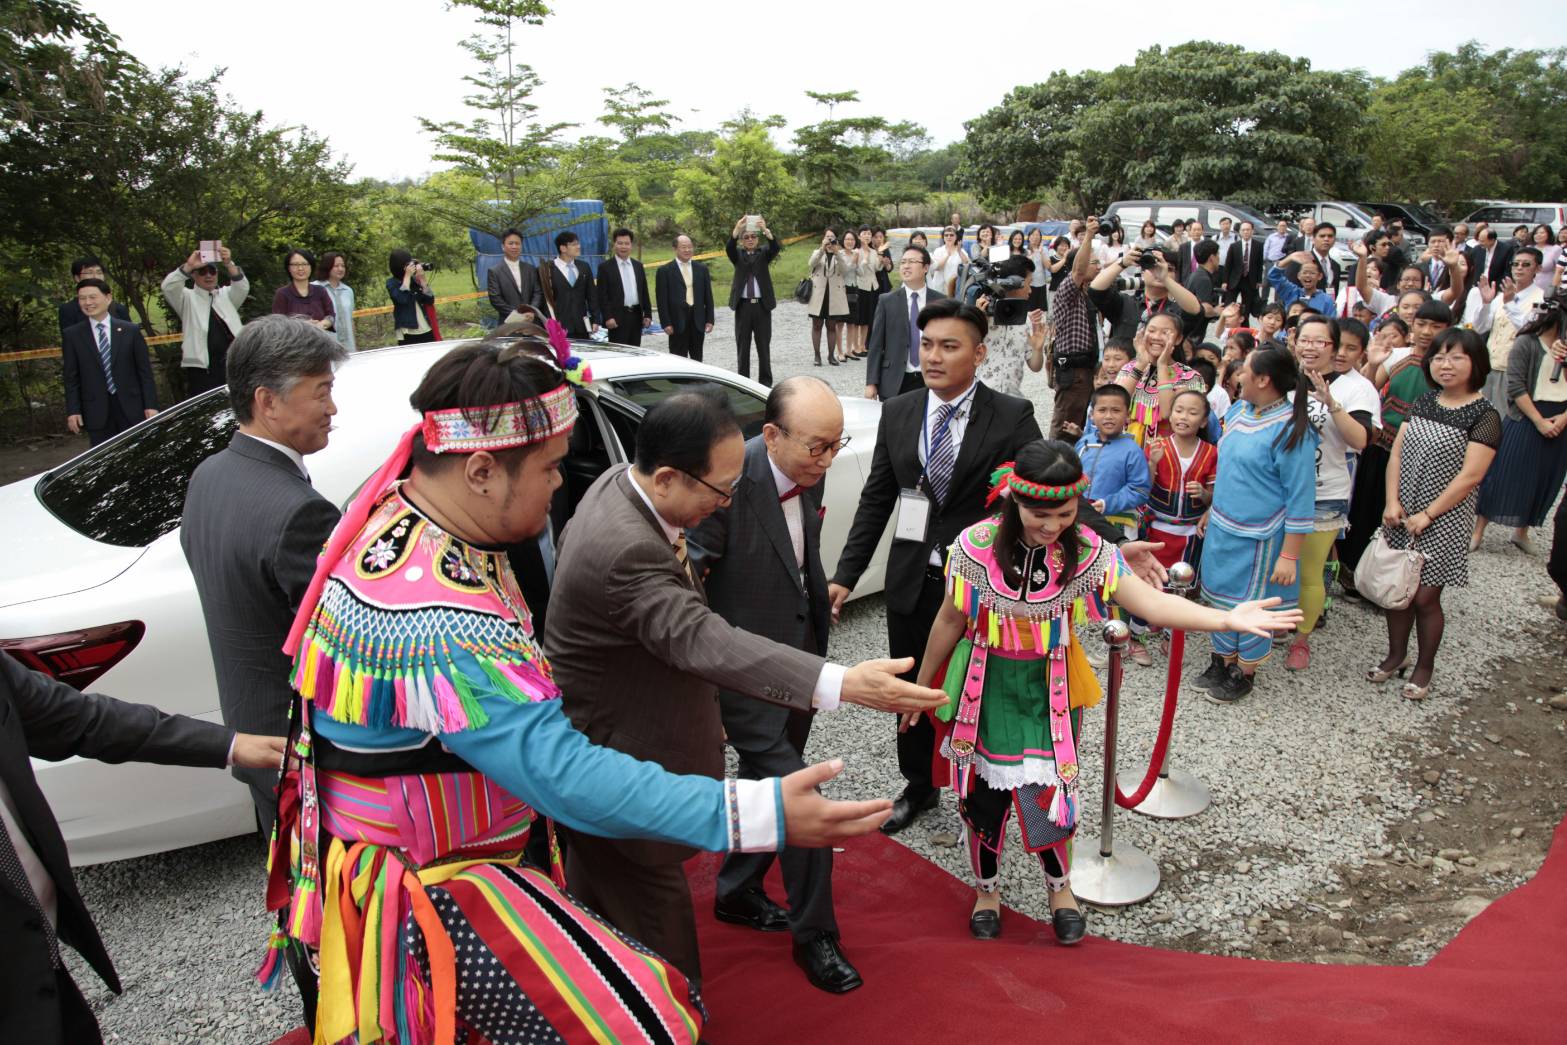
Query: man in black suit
(40, 906)
(86, 267)
(892, 360)
(253, 524)
(1436, 263)
(1301, 239)
(1243, 271)
(685, 300)
(108, 372)
(514, 282)
(622, 290)
(1320, 238)
(568, 287)
(751, 295)
(1491, 256)
(762, 559)
(1186, 261)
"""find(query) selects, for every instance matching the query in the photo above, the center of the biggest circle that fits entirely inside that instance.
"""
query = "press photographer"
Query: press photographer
(1157, 291)
(1017, 333)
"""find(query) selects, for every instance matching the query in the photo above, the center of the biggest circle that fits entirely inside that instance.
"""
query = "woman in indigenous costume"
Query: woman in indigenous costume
(429, 733)
(1018, 679)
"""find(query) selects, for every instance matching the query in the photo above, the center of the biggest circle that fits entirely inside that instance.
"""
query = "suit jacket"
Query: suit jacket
(1443, 280)
(752, 263)
(252, 530)
(746, 561)
(42, 718)
(612, 295)
(1185, 262)
(671, 291)
(887, 347)
(1235, 278)
(639, 655)
(71, 314)
(87, 390)
(506, 296)
(574, 304)
(1501, 262)
(998, 426)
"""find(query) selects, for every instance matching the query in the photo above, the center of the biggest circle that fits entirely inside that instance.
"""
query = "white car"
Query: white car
(95, 589)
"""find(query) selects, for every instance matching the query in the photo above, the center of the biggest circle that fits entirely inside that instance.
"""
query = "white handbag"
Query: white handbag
(1389, 576)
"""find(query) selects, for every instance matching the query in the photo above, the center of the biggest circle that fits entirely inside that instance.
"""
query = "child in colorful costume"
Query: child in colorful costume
(428, 733)
(1182, 467)
(1017, 677)
(1156, 375)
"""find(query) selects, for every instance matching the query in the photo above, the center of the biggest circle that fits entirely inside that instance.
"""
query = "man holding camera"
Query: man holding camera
(1076, 357)
(751, 294)
(1017, 334)
(209, 316)
(1129, 310)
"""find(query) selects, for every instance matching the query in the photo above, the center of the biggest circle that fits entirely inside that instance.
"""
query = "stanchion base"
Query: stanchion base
(1127, 876)
(1173, 797)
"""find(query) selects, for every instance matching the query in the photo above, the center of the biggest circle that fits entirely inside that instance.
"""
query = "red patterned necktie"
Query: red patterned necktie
(791, 493)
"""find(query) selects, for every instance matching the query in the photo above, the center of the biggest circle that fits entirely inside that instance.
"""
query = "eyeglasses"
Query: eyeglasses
(1314, 342)
(723, 495)
(817, 449)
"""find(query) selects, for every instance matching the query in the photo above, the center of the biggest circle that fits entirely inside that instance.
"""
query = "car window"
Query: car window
(1169, 213)
(749, 408)
(1338, 216)
(131, 491)
(1216, 214)
(1133, 216)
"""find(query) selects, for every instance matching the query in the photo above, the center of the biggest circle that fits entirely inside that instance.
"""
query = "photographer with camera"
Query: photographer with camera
(1017, 332)
(1075, 359)
(413, 306)
(829, 304)
(1160, 291)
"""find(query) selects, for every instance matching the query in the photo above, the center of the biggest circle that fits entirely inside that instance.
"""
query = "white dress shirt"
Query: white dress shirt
(515, 268)
(287, 451)
(955, 429)
(793, 514)
(628, 282)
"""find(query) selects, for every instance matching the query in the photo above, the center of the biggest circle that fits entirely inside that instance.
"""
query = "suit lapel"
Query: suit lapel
(623, 480)
(979, 415)
(763, 492)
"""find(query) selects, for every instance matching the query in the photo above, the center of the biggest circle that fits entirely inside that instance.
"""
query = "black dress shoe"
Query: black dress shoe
(1069, 925)
(824, 964)
(984, 924)
(905, 810)
(751, 907)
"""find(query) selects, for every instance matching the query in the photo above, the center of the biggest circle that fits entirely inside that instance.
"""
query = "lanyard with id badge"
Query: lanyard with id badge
(912, 522)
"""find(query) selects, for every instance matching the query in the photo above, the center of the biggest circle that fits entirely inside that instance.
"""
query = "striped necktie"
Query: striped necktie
(681, 557)
(103, 356)
(938, 465)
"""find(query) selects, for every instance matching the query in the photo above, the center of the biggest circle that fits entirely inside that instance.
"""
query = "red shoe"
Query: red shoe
(1299, 656)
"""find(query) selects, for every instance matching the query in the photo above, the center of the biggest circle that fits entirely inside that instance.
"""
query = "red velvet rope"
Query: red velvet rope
(1161, 744)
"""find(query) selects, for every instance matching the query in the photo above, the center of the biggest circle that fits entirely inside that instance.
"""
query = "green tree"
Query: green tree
(644, 162)
(746, 175)
(833, 156)
(1436, 143)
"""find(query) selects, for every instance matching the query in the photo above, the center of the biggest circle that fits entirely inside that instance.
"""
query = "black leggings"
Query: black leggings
(985, 811)
(1425, 615)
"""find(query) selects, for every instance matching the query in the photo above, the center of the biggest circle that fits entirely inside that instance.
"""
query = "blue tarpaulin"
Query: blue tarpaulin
(584, 217)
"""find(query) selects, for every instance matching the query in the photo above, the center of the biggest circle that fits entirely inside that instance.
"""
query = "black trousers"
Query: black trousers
(985, 811)
(1556, 565)
(116, 423)
(753, 320)
(912, 380)
(1365, 507)
(199, 379)
(688, 336)
(628, 325)
(906, 637)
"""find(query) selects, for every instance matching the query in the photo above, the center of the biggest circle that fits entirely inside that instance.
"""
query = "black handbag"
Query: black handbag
(802, 291)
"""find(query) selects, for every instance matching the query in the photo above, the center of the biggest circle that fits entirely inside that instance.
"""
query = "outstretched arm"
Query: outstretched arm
(1164, 610)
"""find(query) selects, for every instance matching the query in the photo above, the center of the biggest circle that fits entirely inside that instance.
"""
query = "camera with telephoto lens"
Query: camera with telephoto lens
(1109, 225)
(428, 266)
(986, 276)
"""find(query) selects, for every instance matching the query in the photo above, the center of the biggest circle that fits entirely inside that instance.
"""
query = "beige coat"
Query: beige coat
(827, 278)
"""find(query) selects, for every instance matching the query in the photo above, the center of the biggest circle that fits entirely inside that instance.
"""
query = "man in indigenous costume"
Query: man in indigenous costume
(1017, 679)
(428, 734)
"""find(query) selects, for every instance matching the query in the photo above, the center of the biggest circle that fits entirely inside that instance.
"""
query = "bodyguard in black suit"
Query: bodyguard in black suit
(568, 287)
(622, 291)
(751, 296)
(764, 575)
(1243, 271)
(892, 349)
(108, 372)
(40, 906)
(253, 524)
(87, 267)
(509, 291)
(685, 300)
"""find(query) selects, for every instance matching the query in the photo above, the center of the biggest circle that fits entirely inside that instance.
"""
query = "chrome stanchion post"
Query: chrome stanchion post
(1177, 794)
(1106, 874)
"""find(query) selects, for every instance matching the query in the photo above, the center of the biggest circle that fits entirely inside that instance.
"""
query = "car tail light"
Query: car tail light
(77, 658)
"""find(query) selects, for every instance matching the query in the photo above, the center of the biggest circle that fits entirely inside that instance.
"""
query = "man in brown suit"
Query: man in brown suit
(641, 657)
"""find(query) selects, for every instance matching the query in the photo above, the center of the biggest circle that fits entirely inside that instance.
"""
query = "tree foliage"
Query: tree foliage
(746, 175)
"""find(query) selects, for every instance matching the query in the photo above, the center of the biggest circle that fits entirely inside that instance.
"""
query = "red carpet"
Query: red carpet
(904, 922)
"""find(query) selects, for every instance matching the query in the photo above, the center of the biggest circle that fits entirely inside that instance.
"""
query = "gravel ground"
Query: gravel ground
(1313, 777)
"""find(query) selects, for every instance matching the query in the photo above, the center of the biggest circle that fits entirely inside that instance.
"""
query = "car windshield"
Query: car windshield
(131, 491)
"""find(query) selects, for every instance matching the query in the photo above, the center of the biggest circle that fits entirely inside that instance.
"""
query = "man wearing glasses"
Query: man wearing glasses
(641, 656)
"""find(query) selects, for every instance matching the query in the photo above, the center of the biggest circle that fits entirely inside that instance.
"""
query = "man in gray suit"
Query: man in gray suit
(761, 562)
(640, 657)
(892, 360)
(254, 525)
(513, 283)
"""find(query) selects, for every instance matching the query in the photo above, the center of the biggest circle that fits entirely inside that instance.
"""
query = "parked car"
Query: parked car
(1416, 217)
(1505, 216)
(96, 590)
(1165, 212)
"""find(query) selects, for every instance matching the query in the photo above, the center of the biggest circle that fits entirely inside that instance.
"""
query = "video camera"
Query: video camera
(984, 275)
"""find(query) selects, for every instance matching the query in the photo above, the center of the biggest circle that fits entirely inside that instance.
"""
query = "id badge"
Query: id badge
(912, 522)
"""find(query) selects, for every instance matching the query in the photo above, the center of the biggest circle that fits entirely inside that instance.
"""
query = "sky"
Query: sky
(362, 73)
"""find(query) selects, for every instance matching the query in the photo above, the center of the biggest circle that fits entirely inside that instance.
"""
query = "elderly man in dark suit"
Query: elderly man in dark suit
(761, 562)
(622, 289)
(108, 373)
(40, 906)
(685, 300)
(640, 657)
(1243, 271)
(751, 295)
(513, 283)
(254, 525)
(892, 359)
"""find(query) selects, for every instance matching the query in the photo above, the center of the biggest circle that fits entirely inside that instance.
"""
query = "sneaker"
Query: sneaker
(1214, 675)
(1140, 654)
(1299, 658)
(1235, 686)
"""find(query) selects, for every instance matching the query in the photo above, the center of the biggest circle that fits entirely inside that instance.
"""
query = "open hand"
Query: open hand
(1258, 618)
(813, 821)
(875, 684)
(1139, 555)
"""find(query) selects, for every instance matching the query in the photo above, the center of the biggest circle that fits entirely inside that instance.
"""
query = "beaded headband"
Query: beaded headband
(1005, 481)
(502, 427)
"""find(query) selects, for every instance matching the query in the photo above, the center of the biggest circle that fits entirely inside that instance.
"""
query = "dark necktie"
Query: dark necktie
(13, 872)
(104, 355)
(791, 494)
(938, 465)
(1245, 258)
(914, 330)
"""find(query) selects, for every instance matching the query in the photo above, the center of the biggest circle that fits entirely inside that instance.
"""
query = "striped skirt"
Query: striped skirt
(1527, 474)
(1236, 570)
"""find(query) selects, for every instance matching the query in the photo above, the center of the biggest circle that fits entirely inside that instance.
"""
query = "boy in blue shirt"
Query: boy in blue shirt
(1112, 460)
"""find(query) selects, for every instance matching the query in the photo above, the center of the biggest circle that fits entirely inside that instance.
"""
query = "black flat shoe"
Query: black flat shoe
(832, 360)
(904, 811)
(825, 966)
(986, 925)
(1069, 925)
(751, 907)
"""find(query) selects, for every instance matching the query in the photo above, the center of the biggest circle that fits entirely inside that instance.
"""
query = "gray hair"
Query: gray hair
(277, 352)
